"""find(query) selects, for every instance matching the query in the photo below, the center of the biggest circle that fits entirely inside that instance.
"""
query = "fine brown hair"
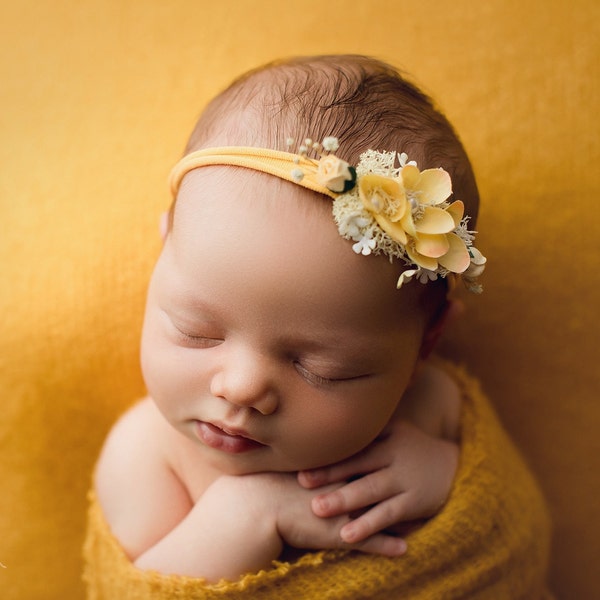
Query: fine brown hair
(364, 102)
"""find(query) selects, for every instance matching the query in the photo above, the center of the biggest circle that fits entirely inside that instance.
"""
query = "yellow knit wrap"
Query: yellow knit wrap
(490, 541)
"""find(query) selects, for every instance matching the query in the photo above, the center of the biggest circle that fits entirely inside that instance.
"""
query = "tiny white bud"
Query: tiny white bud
(331, 144)
(297, 175)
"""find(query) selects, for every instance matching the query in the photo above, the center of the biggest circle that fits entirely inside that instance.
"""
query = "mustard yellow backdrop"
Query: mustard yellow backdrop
(96, 98)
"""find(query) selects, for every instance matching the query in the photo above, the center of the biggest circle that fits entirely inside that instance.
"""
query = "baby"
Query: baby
(300, 290)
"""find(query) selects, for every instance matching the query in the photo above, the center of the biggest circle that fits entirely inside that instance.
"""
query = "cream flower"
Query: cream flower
(335, 174)
(474, 270)
(477, 266)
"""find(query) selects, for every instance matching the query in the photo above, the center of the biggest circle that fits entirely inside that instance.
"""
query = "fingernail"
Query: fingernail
(321, 504)
(348, 533)
(315, 476)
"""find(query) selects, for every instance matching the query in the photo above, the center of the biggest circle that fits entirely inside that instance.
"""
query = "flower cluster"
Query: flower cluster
(405, 213)
(388, 206)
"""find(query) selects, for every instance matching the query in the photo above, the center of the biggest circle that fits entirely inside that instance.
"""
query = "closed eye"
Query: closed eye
(320, 380)
(197, 341)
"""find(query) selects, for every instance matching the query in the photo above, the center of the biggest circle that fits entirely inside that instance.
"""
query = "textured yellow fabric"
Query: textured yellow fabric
(490, 542)
(96, 100)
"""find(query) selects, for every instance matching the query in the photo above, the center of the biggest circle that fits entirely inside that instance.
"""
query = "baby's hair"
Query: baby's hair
(364, 102)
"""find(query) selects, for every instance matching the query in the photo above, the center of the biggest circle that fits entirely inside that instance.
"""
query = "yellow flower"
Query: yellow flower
(335, 174)
(406, 208)
(385, 199)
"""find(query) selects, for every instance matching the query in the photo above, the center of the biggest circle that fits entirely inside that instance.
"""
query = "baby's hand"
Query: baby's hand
(299, 527)
(405, 474)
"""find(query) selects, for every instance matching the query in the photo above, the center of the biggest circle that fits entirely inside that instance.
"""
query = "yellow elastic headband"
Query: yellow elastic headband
(291, 167)
(385, 205)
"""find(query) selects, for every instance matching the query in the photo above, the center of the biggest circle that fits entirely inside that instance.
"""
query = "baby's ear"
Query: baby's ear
(450, 311)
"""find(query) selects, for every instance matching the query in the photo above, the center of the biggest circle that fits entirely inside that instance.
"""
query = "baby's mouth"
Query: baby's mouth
(225, 439)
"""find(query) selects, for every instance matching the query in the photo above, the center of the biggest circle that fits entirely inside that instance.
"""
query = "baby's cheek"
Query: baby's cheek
(335, 437)
(161, 370)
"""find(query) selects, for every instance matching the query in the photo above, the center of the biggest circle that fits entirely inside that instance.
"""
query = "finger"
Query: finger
(385, 545)
(310, 479)
(383, 515)
(356, 495)
(364, 462)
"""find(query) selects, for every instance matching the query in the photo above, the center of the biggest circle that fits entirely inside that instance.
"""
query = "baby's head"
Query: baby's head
(258, 307)
(365, 103)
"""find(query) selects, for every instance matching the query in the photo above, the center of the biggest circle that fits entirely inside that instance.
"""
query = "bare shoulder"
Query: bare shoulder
(433, 403)
(138, 490)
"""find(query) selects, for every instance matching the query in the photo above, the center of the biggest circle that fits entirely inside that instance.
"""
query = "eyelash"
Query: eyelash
(319, 380)
(198, 340)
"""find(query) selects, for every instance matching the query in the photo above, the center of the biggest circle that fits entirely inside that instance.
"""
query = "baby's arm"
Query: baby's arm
(242, 523)
(157, 523)
(406, 473)
(238, 524)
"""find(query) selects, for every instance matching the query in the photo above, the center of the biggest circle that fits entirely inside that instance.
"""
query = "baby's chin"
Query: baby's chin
(248, 464)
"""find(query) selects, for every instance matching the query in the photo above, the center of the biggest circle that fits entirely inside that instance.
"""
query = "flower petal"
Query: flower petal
(432, 246)
(457, 210)
(476, 257)
(408, 224)
(393, 229)
(435, 186)
(405, 277)
(410, 176)
(422, 261)
(457, 258)
(435, 220)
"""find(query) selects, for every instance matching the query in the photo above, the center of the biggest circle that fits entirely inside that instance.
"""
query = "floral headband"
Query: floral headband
(385, 205)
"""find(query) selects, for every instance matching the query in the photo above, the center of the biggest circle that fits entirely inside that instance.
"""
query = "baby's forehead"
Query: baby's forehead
(242, 217)
(245, 191)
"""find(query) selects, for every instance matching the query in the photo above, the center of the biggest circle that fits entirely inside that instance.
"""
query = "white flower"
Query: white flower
(365, 245)
(403, 160)
(330, 144)
(353, 226)
(297, 175)
(425, 275)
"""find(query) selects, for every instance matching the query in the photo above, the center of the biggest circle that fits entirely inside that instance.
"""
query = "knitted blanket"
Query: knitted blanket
(490, 541)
